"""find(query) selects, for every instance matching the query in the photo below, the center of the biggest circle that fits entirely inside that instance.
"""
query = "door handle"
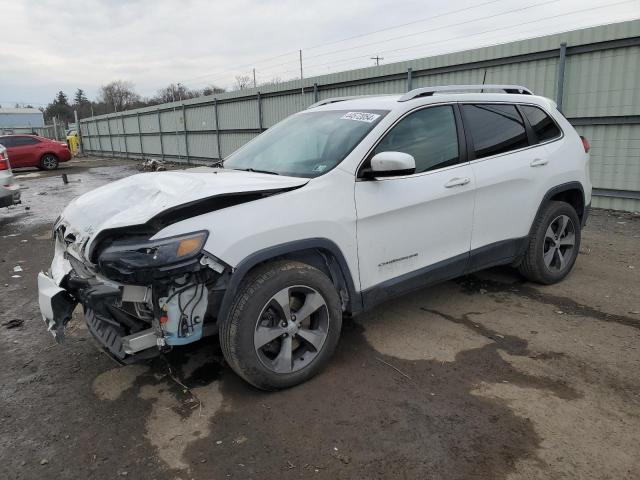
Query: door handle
(539, 162)
(457, 182)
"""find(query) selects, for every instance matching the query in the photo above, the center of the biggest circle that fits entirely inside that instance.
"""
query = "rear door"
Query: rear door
(508, 169)
(25, 152)
(415, 229)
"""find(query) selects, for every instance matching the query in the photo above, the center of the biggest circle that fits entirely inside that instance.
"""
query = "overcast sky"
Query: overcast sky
(51, 45)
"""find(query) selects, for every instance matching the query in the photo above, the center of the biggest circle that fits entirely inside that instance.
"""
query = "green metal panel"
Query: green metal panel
(240, 114)
(200, 118)
(149, 122)
(230, 142)
(133, 145)
(130, 124)
(627, 204)
(203, 145)
(603, 83)
(615, 155)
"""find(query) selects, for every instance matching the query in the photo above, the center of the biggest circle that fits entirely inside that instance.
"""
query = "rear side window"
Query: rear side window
(541, 123)
(494, 128)
(7, 142)
(20, 141)
(429, 135)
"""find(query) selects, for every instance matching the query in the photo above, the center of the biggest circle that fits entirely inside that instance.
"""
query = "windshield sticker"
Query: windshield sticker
(360, 117)
(319, 168)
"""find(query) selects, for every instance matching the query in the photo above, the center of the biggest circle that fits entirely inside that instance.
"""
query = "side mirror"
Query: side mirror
(390, 164)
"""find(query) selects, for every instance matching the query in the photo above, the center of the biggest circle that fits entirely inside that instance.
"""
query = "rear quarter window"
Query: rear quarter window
(542, 124)
(6, 142)
(20, 141)
(494, 128)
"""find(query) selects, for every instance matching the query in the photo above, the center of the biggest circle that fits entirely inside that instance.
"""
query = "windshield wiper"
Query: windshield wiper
(257, 171)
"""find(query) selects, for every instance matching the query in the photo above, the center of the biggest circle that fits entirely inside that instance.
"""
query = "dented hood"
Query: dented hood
(137, 199)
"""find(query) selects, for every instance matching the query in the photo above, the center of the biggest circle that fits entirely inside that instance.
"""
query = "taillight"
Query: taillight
(4, 161)
(585, 144)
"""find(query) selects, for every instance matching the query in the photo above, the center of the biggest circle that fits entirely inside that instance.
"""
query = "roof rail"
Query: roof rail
(327, 101)
(429, 91)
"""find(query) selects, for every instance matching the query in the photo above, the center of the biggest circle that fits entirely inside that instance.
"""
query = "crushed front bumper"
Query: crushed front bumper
(130, 321)
(56, 306)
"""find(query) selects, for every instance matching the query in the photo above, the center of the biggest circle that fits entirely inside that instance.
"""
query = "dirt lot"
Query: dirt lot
(486, 377)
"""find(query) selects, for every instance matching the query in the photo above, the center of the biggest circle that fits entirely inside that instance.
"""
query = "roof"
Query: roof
(20, 110)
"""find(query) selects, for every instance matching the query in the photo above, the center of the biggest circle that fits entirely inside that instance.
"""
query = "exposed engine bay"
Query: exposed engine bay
(140, 297)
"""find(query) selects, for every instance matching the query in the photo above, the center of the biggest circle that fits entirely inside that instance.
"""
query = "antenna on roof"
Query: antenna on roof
(484, 79)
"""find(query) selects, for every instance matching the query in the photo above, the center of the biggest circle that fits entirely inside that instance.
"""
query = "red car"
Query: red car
(35, 151)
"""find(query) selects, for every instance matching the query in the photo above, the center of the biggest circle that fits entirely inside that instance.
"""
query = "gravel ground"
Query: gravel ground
(484, 377)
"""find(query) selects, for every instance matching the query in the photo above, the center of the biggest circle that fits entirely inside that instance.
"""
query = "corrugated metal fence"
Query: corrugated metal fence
(48, 131)
(592, 74)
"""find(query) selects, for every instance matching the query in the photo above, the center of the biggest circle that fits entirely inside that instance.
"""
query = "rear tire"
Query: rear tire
(49, 162)
(262, 338)
(553, 244)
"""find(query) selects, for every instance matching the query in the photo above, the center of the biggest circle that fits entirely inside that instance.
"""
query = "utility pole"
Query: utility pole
(377, 59)
(254, 78)
(301, 75)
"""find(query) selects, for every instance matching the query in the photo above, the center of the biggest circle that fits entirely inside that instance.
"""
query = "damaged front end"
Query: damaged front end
(140, 296)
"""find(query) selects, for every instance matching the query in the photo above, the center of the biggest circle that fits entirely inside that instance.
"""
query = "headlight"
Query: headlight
(143, 261)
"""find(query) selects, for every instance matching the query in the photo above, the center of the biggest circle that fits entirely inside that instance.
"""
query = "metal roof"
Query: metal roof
(20, 110)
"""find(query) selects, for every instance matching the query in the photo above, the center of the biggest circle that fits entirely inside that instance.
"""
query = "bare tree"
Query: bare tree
(242, 82)
(212, 90)
(273, 81)
(174, 93)
(119, 95)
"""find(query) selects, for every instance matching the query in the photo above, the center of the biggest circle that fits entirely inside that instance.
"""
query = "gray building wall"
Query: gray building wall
(600, 96)
(21, 118)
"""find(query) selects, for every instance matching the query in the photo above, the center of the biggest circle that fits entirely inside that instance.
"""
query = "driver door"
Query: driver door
(416, 229)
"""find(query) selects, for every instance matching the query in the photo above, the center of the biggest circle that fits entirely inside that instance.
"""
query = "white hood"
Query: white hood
(136, 199)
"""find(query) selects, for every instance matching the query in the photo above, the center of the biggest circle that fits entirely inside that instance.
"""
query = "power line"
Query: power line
(456, 24)
(476, 34)
(403, 24)
(218, 74)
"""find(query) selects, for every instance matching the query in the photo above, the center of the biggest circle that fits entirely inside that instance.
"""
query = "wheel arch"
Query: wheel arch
(320, 253)
(571, 193)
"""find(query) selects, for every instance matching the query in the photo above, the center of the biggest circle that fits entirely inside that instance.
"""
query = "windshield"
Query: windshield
(306, 145)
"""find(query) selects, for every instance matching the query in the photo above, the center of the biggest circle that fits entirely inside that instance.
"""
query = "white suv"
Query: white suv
(330, 212)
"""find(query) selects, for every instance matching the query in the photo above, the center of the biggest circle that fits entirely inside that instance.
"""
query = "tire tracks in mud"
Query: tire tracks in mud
(472, 284)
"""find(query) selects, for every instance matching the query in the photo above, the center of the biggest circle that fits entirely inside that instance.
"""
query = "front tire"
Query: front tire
(49, 162)
(553, 245)
(283, 325)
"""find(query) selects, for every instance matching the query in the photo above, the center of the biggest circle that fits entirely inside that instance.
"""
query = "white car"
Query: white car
(9, 191)
(330, 212)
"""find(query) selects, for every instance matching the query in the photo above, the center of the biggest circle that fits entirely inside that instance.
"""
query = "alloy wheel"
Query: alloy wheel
(559, 243)
(291, 329)
(49, 162)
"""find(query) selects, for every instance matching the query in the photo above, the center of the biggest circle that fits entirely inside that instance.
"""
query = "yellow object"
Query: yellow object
(72, 143)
